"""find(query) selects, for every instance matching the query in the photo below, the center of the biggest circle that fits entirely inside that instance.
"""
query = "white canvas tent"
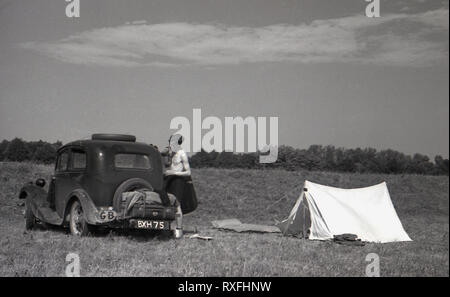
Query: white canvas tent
(322, 212)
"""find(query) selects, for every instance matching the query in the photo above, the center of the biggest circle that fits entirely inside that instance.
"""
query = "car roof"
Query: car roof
(108, 144)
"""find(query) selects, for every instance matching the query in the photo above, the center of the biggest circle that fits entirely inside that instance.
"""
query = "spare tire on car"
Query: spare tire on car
(134, 184)
(114, 137)
(129, 185)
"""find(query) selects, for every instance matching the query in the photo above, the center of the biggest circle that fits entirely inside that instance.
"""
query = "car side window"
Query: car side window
(78, 160)
(63, 160)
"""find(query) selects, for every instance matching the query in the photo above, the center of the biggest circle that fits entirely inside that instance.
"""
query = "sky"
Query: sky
(330, 74)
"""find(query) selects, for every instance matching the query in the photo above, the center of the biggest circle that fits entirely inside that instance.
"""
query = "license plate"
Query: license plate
(154, 225)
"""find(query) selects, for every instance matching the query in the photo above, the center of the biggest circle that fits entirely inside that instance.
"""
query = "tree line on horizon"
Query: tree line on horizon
(18, 150)
(316, 158)
(328, 158)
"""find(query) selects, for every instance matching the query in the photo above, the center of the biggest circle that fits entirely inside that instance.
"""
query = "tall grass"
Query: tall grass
(253, 196)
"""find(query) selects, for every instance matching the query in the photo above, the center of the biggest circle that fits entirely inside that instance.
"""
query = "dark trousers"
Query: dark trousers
(183, 189)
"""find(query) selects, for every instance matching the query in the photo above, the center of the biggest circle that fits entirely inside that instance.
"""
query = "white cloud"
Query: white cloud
(350, 39)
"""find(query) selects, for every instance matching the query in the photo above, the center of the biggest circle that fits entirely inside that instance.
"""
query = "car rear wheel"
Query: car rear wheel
(77, 222)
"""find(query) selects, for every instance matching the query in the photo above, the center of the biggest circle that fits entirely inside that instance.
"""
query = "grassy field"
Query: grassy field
(422, 203)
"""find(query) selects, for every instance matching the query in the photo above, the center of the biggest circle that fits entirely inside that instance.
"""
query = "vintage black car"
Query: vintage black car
(109, 180)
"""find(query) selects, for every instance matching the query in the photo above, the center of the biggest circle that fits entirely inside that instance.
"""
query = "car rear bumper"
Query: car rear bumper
(108, 215)
(137, 206)
(150, 212)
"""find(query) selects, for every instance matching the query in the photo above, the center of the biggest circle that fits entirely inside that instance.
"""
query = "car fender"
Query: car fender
(90, 211)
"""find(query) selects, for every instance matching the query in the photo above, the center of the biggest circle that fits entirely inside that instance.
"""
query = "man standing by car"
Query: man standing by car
(178, 179)
(179, 162)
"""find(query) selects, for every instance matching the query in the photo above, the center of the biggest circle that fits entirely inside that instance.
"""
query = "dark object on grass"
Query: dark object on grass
(348, 239)
(40, 182)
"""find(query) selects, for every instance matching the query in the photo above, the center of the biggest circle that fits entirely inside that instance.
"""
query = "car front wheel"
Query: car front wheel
(77, 222)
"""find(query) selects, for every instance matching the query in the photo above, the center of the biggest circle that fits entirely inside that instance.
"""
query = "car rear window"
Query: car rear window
(132, 161)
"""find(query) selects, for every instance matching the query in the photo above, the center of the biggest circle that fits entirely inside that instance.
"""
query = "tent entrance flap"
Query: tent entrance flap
(299, 221)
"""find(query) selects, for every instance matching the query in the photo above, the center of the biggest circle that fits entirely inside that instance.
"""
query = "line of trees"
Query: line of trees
(19, 150)
(316, 157)
(329, 158)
